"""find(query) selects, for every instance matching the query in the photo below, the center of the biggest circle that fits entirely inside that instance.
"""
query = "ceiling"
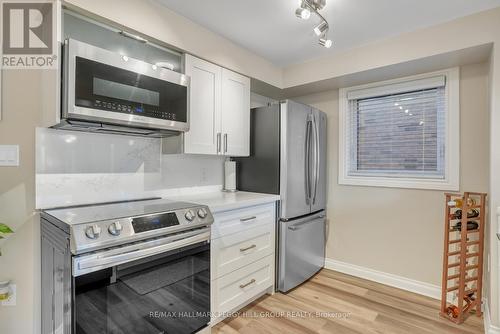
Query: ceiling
(270, 29)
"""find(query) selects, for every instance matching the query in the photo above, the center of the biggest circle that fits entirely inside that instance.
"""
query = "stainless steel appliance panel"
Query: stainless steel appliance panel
(261, 171)
(295, 190)
(319, 156)
(148, 296)
(110, 110)
(160, 265)
(301, 248)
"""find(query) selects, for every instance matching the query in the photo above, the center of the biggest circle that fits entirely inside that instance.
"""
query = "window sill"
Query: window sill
(388, 182)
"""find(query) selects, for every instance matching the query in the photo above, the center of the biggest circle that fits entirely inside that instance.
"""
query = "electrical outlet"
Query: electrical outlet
(11, 301)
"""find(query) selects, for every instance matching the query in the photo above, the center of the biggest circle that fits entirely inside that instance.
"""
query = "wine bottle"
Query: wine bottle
(460, 201)
(453, 311)
(470, 226)
(473, 213)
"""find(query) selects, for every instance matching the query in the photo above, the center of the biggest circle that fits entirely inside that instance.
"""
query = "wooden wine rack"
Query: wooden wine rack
(463, 257)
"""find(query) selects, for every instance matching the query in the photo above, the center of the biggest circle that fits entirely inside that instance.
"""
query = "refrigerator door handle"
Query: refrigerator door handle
(308, 161)
(316, 158)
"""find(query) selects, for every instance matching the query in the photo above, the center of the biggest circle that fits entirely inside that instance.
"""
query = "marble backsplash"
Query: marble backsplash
(78, 168)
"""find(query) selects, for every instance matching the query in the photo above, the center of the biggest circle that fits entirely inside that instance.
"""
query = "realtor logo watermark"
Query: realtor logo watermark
(28, 35)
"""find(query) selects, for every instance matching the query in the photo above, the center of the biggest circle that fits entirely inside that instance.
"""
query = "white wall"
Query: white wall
(494, 202)
(400, 231)
(21, 110)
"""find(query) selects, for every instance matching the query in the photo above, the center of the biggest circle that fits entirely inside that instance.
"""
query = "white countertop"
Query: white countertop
(223, 201)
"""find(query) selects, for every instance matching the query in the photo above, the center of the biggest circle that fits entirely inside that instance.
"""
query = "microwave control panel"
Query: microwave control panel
(133, 109)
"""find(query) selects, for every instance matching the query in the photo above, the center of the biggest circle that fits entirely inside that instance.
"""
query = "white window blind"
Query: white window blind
(399, 132)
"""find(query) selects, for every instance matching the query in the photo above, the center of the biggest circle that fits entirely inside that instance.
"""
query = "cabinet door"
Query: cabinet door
(235, 114)
(204, 135)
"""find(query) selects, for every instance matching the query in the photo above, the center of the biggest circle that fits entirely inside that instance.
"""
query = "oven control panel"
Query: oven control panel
(107, 233)
(154, 222)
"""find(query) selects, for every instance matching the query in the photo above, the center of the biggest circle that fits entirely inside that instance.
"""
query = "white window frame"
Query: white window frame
(451, 180)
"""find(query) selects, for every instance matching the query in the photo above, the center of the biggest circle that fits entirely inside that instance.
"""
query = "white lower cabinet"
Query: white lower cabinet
(240, 249)
(242, 258)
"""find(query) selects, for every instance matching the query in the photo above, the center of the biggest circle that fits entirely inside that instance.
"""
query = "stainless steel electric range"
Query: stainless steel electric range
(126, 267)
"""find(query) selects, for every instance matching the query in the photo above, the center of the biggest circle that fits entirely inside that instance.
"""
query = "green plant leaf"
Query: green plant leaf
(5, 229)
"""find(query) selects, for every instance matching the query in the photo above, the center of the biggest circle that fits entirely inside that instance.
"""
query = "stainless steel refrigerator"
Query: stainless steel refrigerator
(288, 157)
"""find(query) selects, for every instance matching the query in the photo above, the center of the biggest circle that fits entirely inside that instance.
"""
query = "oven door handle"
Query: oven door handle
(101, 260)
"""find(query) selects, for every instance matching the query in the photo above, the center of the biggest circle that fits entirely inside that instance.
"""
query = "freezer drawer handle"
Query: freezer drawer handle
(242, 286)
(247, 248)
(299, 226)
(248, 219)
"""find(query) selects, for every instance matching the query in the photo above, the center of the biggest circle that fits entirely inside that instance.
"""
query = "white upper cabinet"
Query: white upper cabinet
(235, 114)
(203, 136)
(219, 110)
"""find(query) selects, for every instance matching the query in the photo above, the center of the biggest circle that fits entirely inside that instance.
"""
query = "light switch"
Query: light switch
(9, 155)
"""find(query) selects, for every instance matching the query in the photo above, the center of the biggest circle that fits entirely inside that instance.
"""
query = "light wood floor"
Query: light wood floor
(371, 308)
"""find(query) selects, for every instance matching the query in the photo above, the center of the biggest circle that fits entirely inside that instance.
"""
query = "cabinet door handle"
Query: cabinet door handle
(247, 219)
(252, 281)
(225, 142)
(247, 248)
(218, 142)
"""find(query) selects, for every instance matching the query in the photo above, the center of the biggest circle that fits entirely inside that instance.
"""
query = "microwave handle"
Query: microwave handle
(101, 261)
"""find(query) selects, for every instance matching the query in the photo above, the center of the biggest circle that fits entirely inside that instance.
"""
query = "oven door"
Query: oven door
(156, 286)
(103, 86)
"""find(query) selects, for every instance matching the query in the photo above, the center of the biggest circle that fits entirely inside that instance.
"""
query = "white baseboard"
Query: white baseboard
(400, 282)
(488, 327)
(404, 283)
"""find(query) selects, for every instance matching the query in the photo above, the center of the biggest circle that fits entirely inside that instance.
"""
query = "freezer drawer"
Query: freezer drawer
(302, 250)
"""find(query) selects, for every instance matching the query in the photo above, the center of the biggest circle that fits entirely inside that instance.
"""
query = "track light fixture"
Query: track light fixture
(303, 13)
(327, 43)
(321, 28)
(313, 6)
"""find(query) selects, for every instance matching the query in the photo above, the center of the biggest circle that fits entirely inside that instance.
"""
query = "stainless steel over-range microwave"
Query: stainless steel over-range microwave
(107, 91)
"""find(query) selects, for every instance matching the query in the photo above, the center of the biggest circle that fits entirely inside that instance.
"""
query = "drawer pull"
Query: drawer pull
(247, 248)
(248, 219)
(242, 286)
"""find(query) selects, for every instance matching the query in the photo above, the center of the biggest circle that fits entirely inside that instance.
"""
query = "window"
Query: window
(401, 133)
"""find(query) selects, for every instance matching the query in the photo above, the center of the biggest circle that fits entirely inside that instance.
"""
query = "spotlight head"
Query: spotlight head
(327, 43)
(321, 28)
(303, 13)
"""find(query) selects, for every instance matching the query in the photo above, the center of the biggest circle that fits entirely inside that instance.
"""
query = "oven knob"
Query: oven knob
(202, 213)
(190, 215)
(93, 231)
(115, 228)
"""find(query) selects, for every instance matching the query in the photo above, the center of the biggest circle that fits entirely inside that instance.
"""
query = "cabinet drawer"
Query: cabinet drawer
(240, 249)
(229, 222)
(237, 288)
